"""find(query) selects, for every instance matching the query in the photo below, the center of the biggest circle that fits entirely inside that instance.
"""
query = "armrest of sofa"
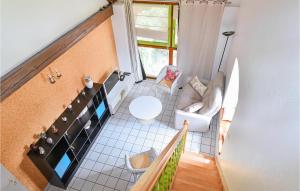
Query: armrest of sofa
(191, 115)
(197, 121)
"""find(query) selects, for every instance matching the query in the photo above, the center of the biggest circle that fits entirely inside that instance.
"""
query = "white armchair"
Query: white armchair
(212, 103)
(170, 87)
(138, 164)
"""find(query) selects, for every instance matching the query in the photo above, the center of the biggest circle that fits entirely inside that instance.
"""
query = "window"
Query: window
(156, 26)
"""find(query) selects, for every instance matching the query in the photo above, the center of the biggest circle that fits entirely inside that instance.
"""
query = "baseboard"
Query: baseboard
(217, 159)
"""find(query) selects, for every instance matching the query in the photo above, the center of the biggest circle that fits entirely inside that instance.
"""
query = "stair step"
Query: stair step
(193, 164)
(197, 155)
(204, 179)
(197, 172)
(182, 185)
(198, 160)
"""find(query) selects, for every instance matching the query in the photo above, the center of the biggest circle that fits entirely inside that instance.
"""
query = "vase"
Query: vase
(88, 82)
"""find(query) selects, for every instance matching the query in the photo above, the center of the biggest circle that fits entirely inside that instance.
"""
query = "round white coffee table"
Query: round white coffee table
(145, 108)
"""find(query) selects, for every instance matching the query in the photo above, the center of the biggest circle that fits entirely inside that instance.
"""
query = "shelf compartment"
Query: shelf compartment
(94, 122)
(79, 142)
(95, 132)
(57, 153)
(85, 117)
(73, 131)
(70, 172)
(104, 117)
(96, 101)
(64, 163)
(83, 151)
(100, 110)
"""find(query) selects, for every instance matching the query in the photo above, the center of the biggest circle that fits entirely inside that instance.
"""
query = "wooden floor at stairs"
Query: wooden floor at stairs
(197, 172)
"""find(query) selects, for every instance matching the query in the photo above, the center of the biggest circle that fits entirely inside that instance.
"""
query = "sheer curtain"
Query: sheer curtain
(199, 25)
(134, 54)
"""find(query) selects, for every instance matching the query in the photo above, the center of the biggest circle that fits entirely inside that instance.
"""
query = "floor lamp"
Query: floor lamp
(227, 34)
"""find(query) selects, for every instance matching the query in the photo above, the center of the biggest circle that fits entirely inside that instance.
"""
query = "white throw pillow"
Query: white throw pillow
(194, 107)
(198, 86)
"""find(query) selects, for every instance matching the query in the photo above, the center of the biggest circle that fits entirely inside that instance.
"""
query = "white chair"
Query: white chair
(138, 163)
(168, 86)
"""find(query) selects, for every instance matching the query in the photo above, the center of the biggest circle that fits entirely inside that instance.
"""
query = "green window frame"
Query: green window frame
(171, 32)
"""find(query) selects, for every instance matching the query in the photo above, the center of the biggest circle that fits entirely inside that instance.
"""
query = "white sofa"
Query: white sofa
(212, 103)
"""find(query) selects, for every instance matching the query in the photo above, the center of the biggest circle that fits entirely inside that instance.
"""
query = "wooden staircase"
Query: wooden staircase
(197, 172)
(177, 170)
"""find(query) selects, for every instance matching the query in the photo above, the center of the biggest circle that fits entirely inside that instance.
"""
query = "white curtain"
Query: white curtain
(135, 59)
(199, 25)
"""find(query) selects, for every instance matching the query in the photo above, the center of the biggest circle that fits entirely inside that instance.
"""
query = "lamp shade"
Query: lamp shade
(228, 33)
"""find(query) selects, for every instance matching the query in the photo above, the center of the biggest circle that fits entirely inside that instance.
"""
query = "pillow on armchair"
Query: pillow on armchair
(198, 86)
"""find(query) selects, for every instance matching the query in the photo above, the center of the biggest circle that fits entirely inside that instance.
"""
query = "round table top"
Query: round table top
(145, 107)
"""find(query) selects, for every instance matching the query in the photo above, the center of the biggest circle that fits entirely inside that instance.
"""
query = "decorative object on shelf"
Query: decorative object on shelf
(88, 82)
(70, 107)
(51, 79)
(87, 125)
(41, 150)
(34, 147)
(43, 135)
(54, 129)
(78, 100)
(72, 147)
(64, 119)
(58, 74)
(85, 109)
(227, 34)
(48, 140)
(37, 149)
(83, 93)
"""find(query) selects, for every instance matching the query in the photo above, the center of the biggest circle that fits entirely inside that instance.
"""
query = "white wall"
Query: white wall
(229, 21)
(261, 151)
(29, 26)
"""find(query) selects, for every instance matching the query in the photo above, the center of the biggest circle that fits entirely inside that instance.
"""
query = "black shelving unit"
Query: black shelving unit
(71, 143)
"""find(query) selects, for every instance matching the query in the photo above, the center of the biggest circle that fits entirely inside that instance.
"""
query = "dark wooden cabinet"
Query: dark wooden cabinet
(71, 143)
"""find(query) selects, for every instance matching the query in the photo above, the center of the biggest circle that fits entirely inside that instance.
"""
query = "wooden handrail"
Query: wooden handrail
(148, 180)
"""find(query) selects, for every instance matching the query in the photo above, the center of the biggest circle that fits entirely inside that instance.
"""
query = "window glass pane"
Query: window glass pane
(175, 20)
(154, 60)
(151, 22)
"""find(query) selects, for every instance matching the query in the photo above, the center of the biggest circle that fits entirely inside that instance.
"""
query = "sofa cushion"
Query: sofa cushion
(194, 107)
(198, 86)
(187, 97)
(212, 103)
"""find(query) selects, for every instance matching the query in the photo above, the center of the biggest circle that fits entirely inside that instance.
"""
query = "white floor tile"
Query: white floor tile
(88, 186)
(104, 165)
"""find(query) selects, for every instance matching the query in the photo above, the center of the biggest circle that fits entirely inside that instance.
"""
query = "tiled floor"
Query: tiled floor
(103, 168)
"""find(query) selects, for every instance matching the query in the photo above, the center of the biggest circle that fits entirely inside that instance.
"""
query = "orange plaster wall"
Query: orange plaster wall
(37, 104)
